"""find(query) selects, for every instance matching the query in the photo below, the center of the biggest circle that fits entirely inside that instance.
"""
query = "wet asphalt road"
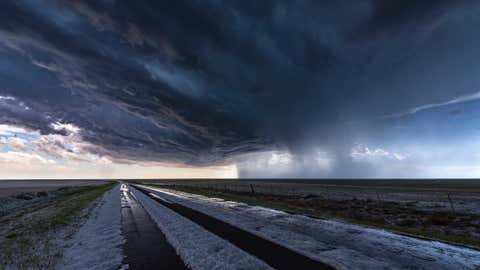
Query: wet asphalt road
(146, 246)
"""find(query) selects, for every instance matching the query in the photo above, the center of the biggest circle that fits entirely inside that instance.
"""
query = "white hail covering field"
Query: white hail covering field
(342, 245)
(98, 242)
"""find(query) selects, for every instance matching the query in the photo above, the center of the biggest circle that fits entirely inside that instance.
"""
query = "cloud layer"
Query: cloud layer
(206, 82)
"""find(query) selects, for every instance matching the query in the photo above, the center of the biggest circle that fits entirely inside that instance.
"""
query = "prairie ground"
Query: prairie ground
(15, 187)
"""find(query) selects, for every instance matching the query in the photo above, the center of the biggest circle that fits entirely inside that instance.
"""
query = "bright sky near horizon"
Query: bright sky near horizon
(26, 154)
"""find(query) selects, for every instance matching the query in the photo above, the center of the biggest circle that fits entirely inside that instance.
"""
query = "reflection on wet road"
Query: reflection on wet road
(146, 246)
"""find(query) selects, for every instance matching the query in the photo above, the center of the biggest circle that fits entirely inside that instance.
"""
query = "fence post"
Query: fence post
(451, 202)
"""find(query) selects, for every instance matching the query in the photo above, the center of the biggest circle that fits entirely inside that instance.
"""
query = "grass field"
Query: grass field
(14, 187)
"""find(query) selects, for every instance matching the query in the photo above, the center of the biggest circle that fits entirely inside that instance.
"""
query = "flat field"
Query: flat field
(14, 187)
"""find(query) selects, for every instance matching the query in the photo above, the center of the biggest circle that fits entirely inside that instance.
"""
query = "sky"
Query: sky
(250, 89)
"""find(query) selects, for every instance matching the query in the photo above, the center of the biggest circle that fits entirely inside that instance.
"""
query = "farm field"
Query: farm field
(14, 187)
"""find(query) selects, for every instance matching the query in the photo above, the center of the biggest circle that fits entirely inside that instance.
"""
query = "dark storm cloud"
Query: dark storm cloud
(389, 17)
(200, 82)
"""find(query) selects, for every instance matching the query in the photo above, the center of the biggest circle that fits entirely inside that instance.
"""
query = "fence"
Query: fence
(441, 200)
